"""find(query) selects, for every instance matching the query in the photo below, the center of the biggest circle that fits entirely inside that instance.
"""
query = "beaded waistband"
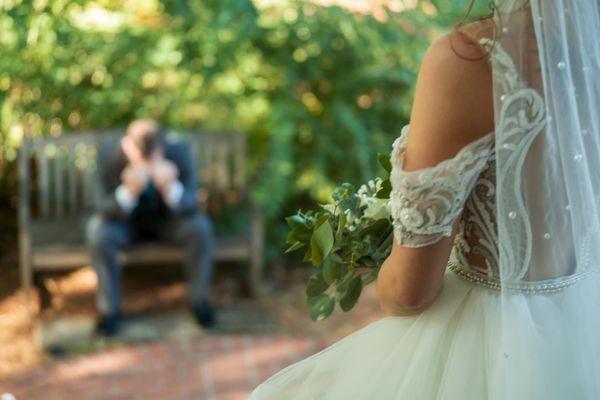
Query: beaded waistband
(534, 287)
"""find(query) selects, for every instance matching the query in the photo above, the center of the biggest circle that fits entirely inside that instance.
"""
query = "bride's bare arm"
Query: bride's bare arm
(452, 107)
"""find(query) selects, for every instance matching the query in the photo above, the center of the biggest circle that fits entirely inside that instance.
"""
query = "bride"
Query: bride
(491, 288)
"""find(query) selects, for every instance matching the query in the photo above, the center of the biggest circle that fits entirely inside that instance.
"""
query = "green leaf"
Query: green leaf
(350, 297)
(331, 270)
(385, 191)
(295, 220)
(294, 247)
(342, 286)
(377, 228)
(299, 233)
(370, 277)
(320, 307)
(291, 238)
(367, 262)
(386, 242)
(322, 217)
(384, 161)
(321, 243)
(306, 257)
(336, 257)
(316, 285)
(341, 224)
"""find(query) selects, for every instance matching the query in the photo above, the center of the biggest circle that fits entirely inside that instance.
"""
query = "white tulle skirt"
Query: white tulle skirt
(466, 346)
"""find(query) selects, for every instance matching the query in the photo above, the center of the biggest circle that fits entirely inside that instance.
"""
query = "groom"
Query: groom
(148, 191)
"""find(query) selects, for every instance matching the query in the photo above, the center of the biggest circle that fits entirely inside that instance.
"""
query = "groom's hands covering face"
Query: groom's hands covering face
(135, 178)
(163, 173)
(141, 170)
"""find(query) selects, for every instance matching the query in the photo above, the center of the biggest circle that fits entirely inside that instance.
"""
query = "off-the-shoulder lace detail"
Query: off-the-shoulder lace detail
(425, 203)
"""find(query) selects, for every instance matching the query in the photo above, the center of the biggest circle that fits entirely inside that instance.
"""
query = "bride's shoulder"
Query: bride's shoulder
(453, 100)
(455, 55)
(460, 48)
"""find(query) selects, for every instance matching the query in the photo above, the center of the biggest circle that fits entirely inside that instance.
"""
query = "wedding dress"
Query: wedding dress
(518, 316)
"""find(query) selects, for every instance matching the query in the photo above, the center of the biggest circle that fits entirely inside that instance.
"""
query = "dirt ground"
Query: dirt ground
(157, 290)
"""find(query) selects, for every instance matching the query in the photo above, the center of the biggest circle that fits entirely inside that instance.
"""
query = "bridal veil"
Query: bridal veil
(547, 117)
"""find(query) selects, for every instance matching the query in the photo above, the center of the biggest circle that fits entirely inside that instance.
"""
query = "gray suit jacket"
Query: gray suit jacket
(112, 161)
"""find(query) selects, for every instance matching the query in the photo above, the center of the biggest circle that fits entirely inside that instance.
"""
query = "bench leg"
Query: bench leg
(45, 297)
(256, 253)
(26, 271)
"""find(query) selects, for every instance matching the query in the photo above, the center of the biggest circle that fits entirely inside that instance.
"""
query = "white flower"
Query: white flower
(366, 193)
(377, 209)
(350, 218)
(332, 208)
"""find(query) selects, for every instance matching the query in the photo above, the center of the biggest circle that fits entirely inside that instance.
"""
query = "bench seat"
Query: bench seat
(71, 256)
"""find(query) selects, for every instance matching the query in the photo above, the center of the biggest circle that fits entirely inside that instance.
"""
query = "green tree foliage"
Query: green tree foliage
(319, 90)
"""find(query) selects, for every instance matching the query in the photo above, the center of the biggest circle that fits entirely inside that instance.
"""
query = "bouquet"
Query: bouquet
(346, 241)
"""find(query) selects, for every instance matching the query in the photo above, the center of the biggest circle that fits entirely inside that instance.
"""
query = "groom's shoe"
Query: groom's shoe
(205, 314)
(108, 325)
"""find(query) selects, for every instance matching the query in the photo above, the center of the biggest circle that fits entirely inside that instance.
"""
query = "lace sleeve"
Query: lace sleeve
(425, 203)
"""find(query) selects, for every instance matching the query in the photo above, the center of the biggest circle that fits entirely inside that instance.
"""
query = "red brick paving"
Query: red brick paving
(208, 368)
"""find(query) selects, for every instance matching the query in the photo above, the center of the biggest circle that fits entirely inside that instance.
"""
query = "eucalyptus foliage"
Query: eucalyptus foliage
(346, 241)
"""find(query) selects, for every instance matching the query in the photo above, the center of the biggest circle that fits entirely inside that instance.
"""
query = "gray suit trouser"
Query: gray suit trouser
(106, 237)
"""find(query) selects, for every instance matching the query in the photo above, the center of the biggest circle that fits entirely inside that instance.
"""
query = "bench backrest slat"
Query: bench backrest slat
(58, 182)
(43, 181)
(72, 181)
(89, 175)
(239, 163)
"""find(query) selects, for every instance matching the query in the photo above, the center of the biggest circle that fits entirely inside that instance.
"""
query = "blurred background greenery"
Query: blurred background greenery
(319, 87)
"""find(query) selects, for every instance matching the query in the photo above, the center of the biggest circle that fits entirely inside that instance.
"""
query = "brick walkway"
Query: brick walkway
(208, 368)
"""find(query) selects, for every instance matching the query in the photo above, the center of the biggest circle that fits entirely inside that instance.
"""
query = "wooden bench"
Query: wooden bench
(57, 185)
